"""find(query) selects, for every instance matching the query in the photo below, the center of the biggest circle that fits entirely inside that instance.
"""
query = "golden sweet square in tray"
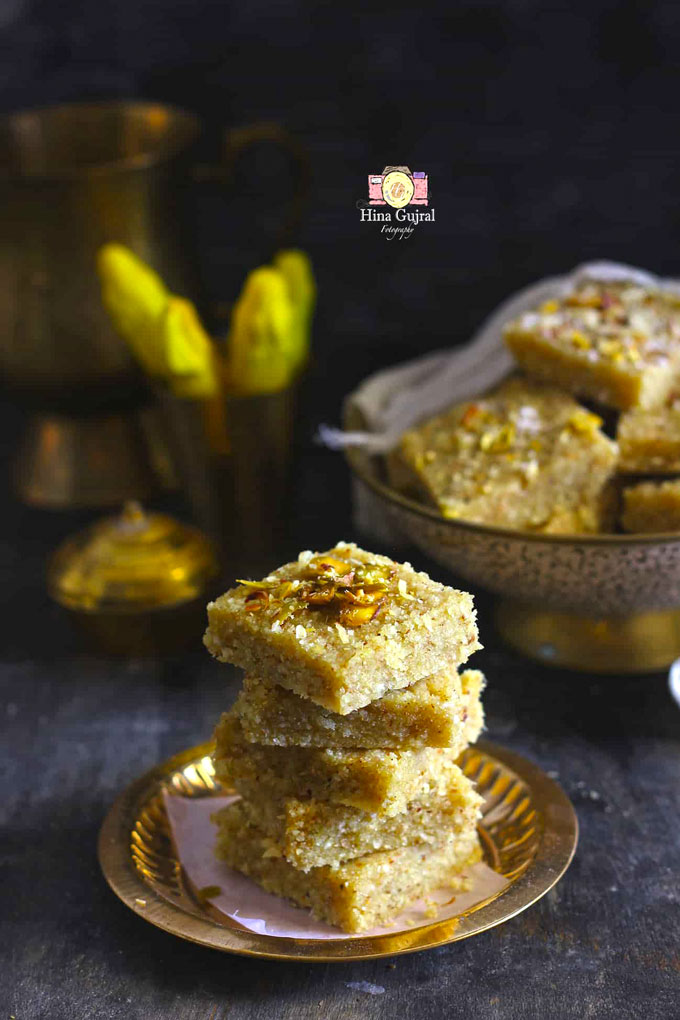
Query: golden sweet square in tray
(652, 507)
(312, 833)
(373, 780)
(649, 441)
(359, 894)
(524, 456)
(617, 343)
(342, 627)
(443, 710)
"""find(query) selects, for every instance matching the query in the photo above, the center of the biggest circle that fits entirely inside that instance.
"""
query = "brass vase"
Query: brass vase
(72, 178)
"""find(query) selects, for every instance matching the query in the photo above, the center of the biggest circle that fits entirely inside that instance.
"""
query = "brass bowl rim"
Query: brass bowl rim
(353, 421)
(555, 853)
(140, 161)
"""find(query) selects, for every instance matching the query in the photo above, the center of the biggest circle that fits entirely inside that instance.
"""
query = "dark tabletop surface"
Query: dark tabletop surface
(550, 136)
(78, 727)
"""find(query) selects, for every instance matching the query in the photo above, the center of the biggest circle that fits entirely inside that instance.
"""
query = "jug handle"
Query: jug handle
(235, 143)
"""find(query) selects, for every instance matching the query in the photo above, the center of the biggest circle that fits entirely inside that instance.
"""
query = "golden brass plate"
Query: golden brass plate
(529, 832)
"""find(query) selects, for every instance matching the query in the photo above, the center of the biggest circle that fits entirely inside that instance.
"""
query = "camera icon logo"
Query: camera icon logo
(398, 187)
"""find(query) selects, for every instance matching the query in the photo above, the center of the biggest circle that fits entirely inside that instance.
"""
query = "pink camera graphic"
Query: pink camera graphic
(398, 187)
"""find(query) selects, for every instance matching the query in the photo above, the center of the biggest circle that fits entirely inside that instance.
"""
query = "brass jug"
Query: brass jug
(73, 177)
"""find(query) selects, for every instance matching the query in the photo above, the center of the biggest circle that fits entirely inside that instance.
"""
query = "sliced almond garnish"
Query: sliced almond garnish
(354, 592)
(361, 597)
(256, 600)
(346, 579)
(355, 616)
(470, 414)
(330, 563)
(319, 596)
(260, 585)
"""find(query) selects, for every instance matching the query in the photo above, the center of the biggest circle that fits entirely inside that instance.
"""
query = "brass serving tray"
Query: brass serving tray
(529, 832)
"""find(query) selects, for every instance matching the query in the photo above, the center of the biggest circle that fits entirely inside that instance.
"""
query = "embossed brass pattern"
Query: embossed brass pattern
(511, 824)
(529, 833)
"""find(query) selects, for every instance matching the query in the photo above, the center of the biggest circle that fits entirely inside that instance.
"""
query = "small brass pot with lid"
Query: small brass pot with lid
(137, 583)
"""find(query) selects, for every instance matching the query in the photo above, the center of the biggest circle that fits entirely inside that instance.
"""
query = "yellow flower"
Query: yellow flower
(260, 346)
(163, 331)
(189, 360)
(135, 298)
(297, 272)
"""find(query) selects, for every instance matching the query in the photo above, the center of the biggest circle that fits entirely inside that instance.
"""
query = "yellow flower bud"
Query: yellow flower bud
(296, 268)
(189, 360)
(261, 342)
(135, 298)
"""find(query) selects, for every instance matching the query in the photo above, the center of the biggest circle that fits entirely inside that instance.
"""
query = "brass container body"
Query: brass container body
(72, 178)
(86, 462)
(136, 584)
(240, 496)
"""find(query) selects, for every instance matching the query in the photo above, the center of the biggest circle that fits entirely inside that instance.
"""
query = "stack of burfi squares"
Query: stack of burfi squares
(345, 738)
(527, 456)
(618, 343)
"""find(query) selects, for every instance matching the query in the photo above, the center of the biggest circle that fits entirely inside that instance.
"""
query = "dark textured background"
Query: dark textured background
(549, 133)
(549, 136)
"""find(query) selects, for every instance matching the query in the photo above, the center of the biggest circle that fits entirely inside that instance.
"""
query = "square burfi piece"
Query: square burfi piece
(525, 456)
(649, 441)
(376, 780)
(617, 343)
(651, 507)
(312, 833)
(342, 627)
(443, 710)
(358, 895)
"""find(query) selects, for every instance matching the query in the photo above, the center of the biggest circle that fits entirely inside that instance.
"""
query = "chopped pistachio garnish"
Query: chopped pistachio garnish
(498, 439)
(580, 340)
(584, 422)
(354, 591)
(549, 307)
